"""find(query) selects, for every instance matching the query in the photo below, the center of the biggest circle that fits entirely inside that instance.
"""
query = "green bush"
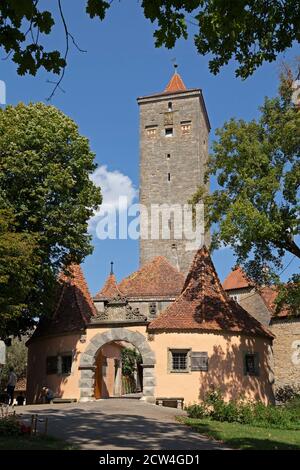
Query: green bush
(246, 412)
(294, 406)
(9, 427)
(197, 411)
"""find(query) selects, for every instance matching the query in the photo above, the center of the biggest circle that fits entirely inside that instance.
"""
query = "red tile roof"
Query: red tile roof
(204, 305)
(175, 84)
(74, 306)
(269, 294)
(109, 290)
(237, 279)
(158, 278)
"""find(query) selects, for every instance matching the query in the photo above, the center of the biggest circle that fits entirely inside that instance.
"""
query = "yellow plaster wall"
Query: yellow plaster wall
(225, 353)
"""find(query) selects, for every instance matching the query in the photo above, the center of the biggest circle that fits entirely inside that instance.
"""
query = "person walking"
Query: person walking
(12, 380)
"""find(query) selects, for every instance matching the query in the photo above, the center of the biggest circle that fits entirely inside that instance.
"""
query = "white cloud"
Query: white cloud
(117, 191)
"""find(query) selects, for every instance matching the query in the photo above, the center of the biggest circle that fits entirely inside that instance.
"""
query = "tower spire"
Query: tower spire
(176, 82)
(111, 267)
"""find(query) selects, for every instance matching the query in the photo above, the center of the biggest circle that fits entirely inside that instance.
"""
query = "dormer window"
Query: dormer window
(234, 297)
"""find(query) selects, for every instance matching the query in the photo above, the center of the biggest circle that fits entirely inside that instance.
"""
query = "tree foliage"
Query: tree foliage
(256, 206)
(18, 266)
(46, 200)
(250, 32)
(16, 357)
(130, 358)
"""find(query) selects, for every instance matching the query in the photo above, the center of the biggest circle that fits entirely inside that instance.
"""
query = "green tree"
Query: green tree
(45, 186)
(249, 32)
(16, 357)
(18, 265)
(256, 205)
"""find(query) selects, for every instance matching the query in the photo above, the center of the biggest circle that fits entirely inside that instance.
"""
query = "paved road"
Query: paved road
(120, 424)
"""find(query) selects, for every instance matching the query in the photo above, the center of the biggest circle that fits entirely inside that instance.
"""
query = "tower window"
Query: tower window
(169, 131)
(169, 106)
(168, 155)
(169, 176)
(185, 127)
(151, 131)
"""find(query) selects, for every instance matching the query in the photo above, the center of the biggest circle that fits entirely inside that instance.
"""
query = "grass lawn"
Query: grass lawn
(33, 443)
(244, 436)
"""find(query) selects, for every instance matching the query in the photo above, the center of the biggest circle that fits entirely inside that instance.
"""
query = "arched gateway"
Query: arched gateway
(88, 361)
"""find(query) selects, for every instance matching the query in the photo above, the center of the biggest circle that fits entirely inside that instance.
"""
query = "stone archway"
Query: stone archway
(88, 358)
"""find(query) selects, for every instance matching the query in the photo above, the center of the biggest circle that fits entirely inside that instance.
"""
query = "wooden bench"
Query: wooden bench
(64, 400)
(171, 402)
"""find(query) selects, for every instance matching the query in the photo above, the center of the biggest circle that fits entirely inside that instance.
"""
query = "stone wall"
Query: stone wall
(286, 348)
(171, 167)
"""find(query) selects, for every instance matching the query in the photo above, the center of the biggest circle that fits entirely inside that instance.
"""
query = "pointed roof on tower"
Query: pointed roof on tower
(175, 84)
(74, 306)
(204, 305)
(109, 290)
(158, 278)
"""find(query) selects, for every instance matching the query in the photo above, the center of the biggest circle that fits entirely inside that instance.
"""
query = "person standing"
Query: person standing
(12, 380)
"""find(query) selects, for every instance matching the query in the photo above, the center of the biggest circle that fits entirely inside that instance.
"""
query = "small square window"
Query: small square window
(51, 365)
(151, 132)
(179, 361)
(185, 128)
(169, 131)
(234, 297)
(251, 364)
(66, 364)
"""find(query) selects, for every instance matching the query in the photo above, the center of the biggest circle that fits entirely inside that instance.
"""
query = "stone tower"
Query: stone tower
(174, 128)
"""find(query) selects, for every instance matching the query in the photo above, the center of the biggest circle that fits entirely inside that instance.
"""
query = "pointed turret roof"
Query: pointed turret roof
(158, 278)
(109, 290)
(74, 306)
(237, 279)
(175, 84)
(204, 305)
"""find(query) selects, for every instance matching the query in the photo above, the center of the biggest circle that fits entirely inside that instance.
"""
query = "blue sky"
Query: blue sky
(101, 87)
